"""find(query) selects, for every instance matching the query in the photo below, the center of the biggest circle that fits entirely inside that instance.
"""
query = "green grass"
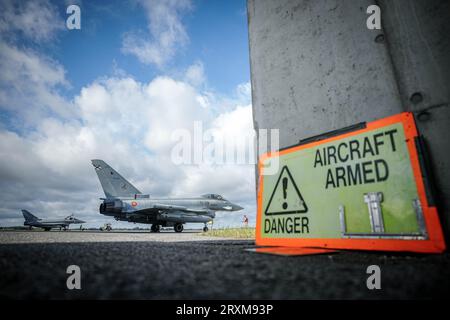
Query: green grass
(240, 233)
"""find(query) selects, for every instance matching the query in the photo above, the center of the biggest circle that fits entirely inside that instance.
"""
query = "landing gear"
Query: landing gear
(155, 228)
(47, 229)
(106, 227)
(205, 229)
(178, 227)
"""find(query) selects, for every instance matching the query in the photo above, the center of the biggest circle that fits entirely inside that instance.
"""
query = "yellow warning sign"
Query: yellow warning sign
(361, 188)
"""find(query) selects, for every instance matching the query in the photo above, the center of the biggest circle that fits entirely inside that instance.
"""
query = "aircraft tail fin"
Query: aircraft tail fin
(113, 184)
(28, 216)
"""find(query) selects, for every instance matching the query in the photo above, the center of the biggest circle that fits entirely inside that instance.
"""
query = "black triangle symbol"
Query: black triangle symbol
(285, 209)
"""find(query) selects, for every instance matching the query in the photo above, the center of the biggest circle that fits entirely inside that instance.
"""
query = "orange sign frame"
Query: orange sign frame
(433, 244)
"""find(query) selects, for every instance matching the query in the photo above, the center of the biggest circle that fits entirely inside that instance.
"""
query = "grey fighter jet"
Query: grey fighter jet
(33, 221)
(126, 203)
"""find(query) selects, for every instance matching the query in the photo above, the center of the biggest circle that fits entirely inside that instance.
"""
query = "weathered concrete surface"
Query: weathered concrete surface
(417, 34)
(120, 269)
(315, 67)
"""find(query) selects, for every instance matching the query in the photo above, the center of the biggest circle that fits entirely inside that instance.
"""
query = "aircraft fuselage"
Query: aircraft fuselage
(165, 211)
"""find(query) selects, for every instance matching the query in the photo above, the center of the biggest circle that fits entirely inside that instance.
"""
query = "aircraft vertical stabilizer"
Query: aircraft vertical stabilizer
(28, 216)
(113, 184)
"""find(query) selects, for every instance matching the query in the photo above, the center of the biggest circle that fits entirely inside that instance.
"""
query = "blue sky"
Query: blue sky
(217, 37)
(137, 72)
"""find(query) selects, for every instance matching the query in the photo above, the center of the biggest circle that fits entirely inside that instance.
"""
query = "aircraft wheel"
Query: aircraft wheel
(155, 228)
(205, 229)
(47, 229)
(178, 227)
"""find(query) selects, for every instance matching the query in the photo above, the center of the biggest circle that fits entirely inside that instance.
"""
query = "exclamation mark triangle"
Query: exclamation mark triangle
(286, 197)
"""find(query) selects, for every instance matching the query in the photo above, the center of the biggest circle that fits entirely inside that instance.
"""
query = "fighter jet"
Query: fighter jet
(125, 202)
(33, 221)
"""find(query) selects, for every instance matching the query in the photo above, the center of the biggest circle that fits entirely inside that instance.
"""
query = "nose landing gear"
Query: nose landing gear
(155, 228)
(178, 227)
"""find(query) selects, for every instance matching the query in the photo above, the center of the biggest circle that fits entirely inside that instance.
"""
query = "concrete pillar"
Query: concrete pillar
(315, 67)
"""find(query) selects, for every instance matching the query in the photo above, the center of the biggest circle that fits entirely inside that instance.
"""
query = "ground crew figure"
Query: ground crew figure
(245, 221)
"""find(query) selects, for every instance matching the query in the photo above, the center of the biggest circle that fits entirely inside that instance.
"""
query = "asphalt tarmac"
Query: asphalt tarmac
(136, 265)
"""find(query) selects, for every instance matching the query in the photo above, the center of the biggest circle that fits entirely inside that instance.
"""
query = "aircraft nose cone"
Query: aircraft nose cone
(229, 206)
(236, 207)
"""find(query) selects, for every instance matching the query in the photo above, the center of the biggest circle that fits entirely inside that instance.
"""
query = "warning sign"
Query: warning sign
(286, 198)
(362, 189)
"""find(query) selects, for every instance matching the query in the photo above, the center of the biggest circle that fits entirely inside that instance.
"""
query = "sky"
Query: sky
(120, 89)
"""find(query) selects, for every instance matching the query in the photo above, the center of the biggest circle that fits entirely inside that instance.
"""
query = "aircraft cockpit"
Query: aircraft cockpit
(213, 196)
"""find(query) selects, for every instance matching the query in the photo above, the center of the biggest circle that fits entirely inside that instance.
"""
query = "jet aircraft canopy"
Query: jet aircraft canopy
(213, 196)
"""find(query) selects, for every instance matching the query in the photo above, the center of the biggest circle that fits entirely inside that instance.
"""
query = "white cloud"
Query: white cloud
(129, 125)
(236, 122)
(195, 74)
(165, 35)
(36, 20)
(30, 83)
(47, 140)
(244, 92)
